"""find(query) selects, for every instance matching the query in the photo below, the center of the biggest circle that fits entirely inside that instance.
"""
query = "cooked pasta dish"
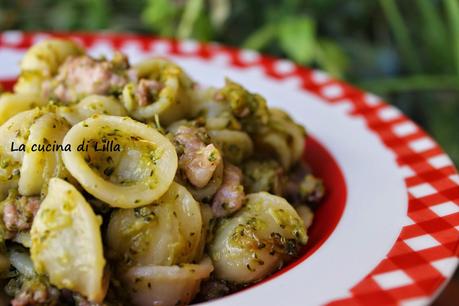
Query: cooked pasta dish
(130, 184)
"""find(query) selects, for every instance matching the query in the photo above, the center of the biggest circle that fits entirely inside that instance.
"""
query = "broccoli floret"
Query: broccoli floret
(311, 189)
(263, 175)
(249, 108)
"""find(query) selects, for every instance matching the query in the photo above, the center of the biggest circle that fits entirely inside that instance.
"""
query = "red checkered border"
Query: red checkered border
(426, 251)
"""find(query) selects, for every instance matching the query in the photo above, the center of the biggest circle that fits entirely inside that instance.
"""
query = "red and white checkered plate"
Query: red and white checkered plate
(388, 232)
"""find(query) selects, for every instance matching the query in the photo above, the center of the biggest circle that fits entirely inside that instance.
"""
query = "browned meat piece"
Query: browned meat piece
(213, 289)
(37, 293)
(229, 198)
(303, 188)
(198, 161)
(263, 175)
(30, 298)
(82, 75)
(18, 214)
(146, 90)
(81, 301)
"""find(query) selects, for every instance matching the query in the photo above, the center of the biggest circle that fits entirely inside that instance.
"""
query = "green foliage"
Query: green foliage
(452, 8)
(297, 37)
(191, 13)
(407, 51)
(159, 15)
(331, 57)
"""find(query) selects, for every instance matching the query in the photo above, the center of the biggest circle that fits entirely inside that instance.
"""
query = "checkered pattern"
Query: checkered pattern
(426, 252)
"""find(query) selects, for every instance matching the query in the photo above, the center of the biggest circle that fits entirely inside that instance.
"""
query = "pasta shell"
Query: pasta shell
(14, 132)
(166, 285)
(47, 55)
(12, 104)
(39, 166)
(67, 243)
(174, 98)
(136, 175)
(89, 106)
(167, 232)
(41, 62)
(256, 241)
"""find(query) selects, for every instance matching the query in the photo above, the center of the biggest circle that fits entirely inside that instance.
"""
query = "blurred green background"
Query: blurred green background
(407, 51)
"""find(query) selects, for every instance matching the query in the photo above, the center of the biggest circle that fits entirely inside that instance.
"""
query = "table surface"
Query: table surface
(450, 295)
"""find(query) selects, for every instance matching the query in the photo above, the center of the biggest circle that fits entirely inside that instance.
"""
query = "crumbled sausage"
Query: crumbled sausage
(26, 298)
(146, 90)
(229, 198)
(198, 161)
(304, 188)
(18, 214)
(37, 293)
(82, 75)
(213, 289)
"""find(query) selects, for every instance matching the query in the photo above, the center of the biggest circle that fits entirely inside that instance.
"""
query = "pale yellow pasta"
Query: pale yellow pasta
(17, 130)
(166, 285)
(12, 104)
(67, 243)
(173, 98)
(14, 133)
(282, 137)
(28, 153)
(30, 83)
(41, 161)
(257, 239)
(235, 145)
(168, 232)
(138, 174)
(89, 106)
(41, 62)
(305, 214)
(46, 56)
(218, 114)
(282, 122)
(275, 142)
(207, 105)
(156, 245)
(207, 229)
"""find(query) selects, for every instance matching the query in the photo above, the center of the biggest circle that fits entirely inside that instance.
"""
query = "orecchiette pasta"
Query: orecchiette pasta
(132, 185)
(41, 62)
(253, 243)
(156, 246)
(39, 166)
(163, 90)
(236, 146)
(166, 285)
(305, 214)
(89, 106)
(14, 132)
(31, 168)
(66, 242)
(12, 104)
(282, 137)
(167, 232)
(136, 175)
(47, 56)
